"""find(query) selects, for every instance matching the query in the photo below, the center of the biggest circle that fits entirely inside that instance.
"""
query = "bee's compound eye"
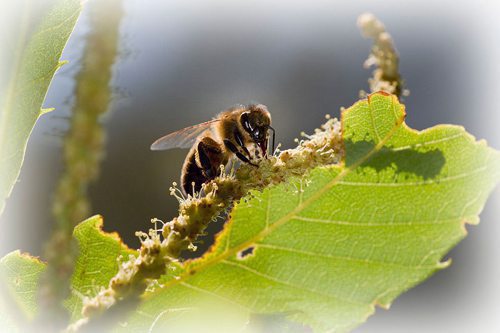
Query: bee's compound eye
(246, 123)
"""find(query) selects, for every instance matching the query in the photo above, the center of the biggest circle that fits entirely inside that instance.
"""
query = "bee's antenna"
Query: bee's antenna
(274, 136)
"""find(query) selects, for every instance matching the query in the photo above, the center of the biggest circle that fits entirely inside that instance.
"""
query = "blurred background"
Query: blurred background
(178, 63)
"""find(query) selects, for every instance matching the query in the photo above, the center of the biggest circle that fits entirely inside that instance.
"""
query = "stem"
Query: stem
(383, 56)
(83, 151)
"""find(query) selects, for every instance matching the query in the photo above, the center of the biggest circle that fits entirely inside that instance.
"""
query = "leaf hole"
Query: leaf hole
(244, 254)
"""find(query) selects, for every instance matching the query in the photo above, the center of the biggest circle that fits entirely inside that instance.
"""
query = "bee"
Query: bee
(240, 131)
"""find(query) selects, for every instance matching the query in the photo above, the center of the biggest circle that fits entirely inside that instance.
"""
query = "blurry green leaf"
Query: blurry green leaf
(19, 276)
(327, 250)
(96, 264)
(33, 35)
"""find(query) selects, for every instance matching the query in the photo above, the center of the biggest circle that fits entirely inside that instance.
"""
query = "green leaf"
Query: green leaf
(19, 276)
(344, 238)
(35, 39)
(96, 263)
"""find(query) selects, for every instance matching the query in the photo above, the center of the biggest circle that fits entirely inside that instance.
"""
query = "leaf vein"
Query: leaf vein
(374, 224)
(424, 182)
(288, 284)
(364, 261)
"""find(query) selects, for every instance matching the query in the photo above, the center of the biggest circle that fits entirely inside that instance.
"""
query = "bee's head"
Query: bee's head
(256, 121)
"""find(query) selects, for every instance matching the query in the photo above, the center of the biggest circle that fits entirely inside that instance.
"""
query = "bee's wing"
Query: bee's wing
(183, 138)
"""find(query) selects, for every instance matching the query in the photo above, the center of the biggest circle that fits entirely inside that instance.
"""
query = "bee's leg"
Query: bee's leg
(239, 140)
(204, 161)
(209, 153)
(192, 174)
(235, 150)
(274, 136)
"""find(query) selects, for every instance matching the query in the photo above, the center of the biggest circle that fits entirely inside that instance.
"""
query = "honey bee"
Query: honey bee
(240, 131)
